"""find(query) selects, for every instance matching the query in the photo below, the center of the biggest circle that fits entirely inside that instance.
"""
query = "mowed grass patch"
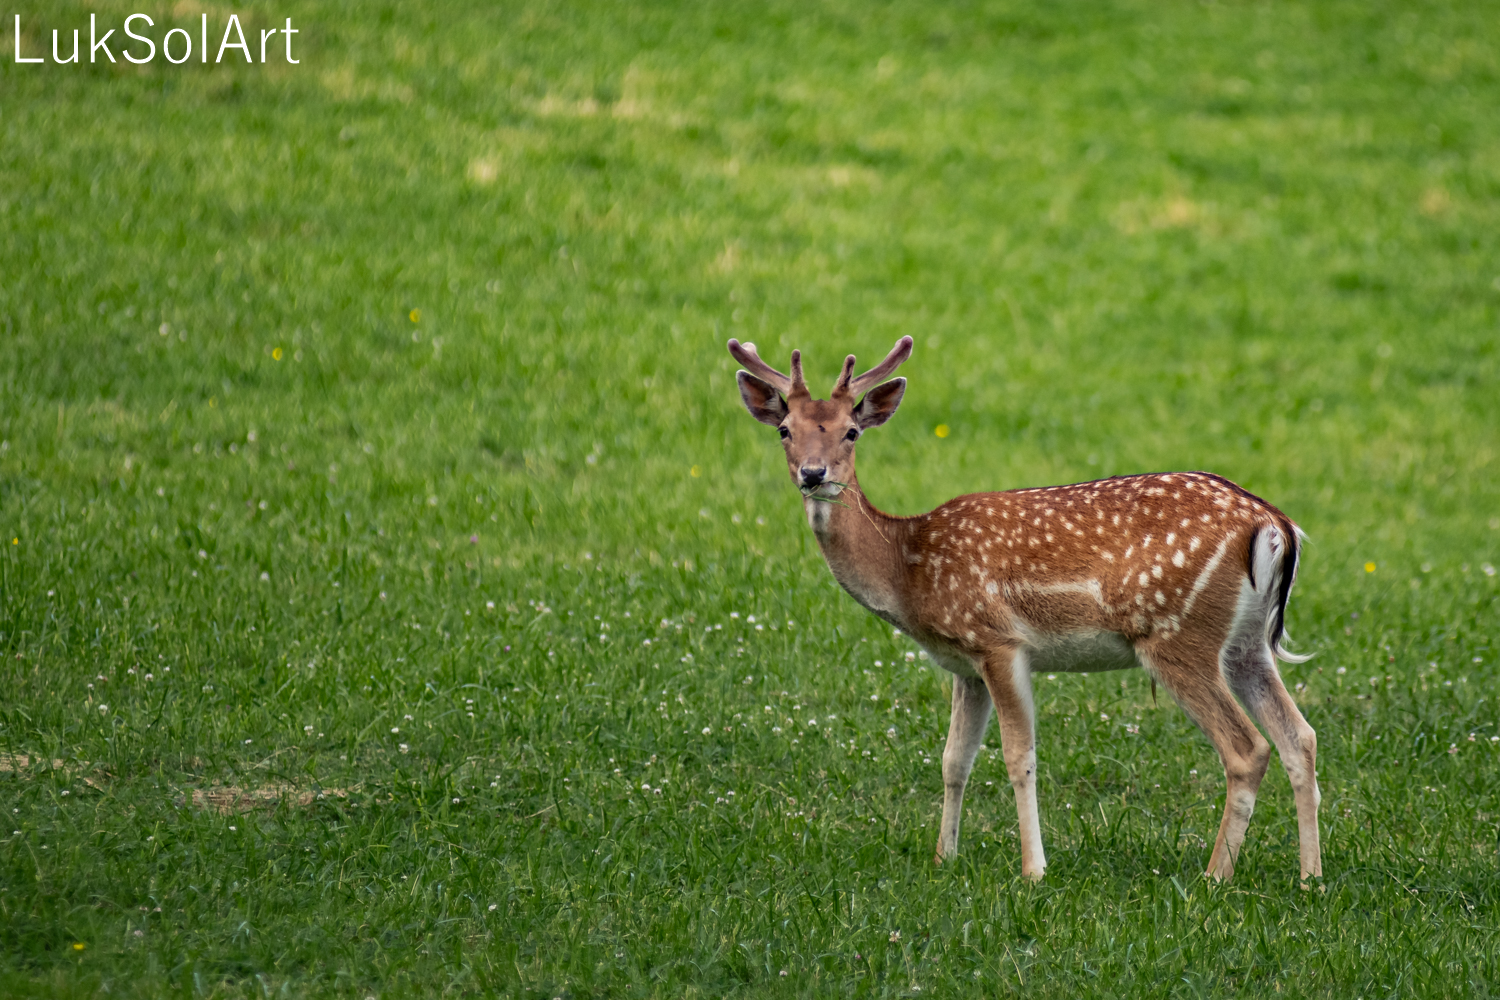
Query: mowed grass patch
(383, 532)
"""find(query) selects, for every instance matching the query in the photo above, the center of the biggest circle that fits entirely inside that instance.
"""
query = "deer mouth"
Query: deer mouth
(823, 491)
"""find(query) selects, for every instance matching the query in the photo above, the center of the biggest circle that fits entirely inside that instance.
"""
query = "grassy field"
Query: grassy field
(397, 600)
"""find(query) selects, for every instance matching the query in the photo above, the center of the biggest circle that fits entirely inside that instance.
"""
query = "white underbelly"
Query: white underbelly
(1071, 652)
(954, 662)
(1081, 651)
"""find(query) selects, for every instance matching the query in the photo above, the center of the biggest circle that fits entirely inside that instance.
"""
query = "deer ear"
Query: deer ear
(879, 403)
(761, 399)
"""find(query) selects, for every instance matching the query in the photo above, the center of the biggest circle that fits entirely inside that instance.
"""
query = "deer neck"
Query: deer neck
(862, 546)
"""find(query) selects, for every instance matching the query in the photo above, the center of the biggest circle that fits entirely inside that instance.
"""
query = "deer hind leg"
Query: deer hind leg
(1007, 672)
(1253, 676)
(1190, 670)
(971, 714)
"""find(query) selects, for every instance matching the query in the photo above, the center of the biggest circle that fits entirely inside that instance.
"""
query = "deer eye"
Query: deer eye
(784, 433)
(852, 435)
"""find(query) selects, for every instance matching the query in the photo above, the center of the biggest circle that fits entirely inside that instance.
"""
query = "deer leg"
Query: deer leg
(1255, 679)
(1008, 674)
(1191, 672)
(971, 714)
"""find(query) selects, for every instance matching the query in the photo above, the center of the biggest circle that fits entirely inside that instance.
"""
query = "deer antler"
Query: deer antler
(855, 387)
(786, 385)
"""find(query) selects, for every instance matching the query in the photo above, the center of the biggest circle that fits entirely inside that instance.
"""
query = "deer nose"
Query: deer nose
(813, 476)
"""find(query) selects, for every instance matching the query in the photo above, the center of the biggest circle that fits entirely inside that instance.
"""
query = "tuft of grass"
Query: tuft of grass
(396, 599)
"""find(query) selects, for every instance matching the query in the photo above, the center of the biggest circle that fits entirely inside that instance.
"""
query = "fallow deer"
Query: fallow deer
(1182, 573)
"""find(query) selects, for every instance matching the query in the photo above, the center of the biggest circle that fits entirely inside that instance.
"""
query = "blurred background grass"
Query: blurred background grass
(443, 308)
(1253, 239)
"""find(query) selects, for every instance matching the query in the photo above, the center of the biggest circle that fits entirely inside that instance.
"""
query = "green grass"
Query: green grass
(389, 392)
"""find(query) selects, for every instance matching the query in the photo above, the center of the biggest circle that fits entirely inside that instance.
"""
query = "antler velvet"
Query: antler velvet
(791, 385)
(856, 387)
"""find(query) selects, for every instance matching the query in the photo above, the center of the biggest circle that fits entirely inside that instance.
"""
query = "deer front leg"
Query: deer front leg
(971, 714)
(1007, 672)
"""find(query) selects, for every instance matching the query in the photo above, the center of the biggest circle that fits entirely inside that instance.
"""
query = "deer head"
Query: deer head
(819, 434)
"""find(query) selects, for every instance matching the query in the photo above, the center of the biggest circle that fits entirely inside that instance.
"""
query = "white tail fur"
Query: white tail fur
(1275, 560)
